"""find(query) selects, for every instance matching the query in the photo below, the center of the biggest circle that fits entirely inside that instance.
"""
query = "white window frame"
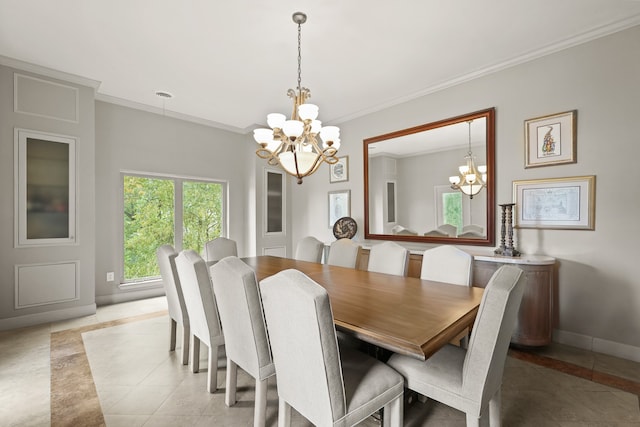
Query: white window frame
(177, 209)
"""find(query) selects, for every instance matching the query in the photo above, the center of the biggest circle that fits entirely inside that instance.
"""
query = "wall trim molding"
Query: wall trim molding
(46, 317)
(129, 296)
(49, 72)
(598, 345)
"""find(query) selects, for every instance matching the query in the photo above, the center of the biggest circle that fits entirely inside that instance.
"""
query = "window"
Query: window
(161, 210)
(452, 209)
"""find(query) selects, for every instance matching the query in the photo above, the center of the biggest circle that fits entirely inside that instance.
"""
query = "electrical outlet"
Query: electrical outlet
(110, 276)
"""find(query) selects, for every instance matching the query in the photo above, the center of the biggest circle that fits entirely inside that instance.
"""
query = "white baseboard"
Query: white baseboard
(129, 296)
(46, 317)
(598, 345)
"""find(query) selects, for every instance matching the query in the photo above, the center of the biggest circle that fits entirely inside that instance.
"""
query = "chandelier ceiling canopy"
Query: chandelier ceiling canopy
(293, 144)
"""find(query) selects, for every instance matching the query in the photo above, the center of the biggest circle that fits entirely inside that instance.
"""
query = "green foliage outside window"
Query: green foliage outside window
(202, 214)
(452, 209)
(149, 220)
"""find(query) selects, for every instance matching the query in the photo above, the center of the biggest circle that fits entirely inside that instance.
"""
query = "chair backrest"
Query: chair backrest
(389, 258)
(218, 248)
(473, 227)
(491, 334)
(451, 230)
(309, 249)
(166, 256)
(446, 263)
(344, 253)
(304, 346)
(240, 309)
(198, 296)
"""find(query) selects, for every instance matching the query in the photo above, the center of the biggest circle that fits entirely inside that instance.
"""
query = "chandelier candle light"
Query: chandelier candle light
(471, 179)
(293, 143)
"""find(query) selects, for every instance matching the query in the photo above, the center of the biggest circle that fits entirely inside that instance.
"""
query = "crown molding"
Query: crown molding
(49, 72)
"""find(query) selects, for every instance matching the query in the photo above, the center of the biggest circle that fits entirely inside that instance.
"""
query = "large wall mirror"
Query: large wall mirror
(407, 182)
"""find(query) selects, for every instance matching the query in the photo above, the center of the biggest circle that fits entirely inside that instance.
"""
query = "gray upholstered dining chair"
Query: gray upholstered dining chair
(344, 253)
(309, 249)
(218, 248)
(389, 258)
(327, 385)
(166, 256)
(473, 227)
(470, 380)
(446, 263)
(203, 313)
(246, 341)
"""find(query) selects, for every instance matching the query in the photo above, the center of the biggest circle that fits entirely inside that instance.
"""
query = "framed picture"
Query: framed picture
(562, 203)
(550, 140)
(339, 172)
(339, 205)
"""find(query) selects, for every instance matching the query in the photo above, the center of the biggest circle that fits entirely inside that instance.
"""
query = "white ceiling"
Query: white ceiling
(230, 63)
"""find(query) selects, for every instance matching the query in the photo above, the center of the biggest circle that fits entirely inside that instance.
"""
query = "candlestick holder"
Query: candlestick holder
(507, 248)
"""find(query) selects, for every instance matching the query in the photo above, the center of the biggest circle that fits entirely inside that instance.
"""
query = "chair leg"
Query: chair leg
(284, 413)
(212, 373)
(260, 410)
(195, 354)
(172, 334)
(232, 382)
(495, 417)
(185, 344)
(393, 413)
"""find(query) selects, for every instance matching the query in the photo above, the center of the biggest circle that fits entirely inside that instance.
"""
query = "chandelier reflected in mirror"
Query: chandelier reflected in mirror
(293, 144)
(471, 179)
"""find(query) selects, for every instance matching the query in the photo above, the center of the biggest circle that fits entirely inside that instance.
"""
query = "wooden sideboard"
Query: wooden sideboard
(535, 318)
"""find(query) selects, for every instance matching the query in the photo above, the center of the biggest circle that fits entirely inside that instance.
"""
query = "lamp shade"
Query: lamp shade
(276, 120)
(306, 161)
(293, 128)
(308, 111)
(329, 133)
(263, 135)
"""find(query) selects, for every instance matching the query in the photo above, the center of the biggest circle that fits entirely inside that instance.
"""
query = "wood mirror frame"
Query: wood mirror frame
(489, 237)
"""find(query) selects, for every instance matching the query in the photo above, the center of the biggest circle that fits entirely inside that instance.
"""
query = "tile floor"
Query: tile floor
(121, 356)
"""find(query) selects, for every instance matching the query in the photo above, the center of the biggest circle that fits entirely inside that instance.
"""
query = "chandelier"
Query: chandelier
(470, 179)
(293, 144)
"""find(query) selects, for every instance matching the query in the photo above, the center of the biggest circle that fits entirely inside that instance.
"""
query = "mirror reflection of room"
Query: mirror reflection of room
(410, 192)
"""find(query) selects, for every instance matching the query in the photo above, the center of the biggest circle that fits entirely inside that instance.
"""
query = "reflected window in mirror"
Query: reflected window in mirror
(419, 162)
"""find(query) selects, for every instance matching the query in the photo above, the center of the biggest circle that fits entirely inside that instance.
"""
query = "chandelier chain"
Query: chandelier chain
(299, 56)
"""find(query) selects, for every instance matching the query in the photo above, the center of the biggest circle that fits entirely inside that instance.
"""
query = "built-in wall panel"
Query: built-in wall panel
(41, 284)
(47, 265)
(45, 98)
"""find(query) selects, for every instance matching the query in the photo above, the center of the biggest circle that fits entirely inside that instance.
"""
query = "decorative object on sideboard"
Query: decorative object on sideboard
(560, 203)
(551, 140)
(292, 144)
(345, 228)
(471, 179)
(507, 248)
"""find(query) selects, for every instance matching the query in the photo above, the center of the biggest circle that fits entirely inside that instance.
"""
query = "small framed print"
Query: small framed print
(339, 171)
(551, 140)
(561, 203)
(339, 205)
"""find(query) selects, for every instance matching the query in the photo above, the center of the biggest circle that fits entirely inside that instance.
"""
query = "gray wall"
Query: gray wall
(598, 301)
(84, 251)
(134, 140)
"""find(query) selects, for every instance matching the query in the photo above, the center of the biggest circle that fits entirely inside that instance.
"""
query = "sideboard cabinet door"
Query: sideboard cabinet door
(535, 318)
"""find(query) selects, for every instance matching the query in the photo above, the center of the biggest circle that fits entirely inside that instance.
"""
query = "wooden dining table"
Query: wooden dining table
(404, 315)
